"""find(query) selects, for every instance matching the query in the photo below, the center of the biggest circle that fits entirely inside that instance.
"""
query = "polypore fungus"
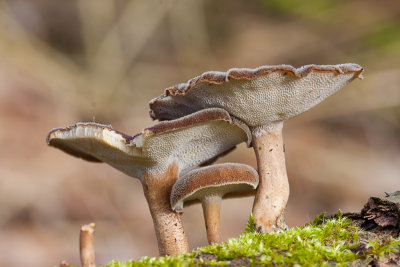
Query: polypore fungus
(263, 98)
(209, 185)
(156, 156)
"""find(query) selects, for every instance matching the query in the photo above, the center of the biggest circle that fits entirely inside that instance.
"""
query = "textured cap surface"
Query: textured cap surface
(188, 141)
(258, 96)
(218, 179)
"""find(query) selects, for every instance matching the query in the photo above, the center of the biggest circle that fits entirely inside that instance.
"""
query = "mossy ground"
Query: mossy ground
(325, 242)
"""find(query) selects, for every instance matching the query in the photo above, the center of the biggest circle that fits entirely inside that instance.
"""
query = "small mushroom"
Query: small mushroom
(209, 185)
(263, 98)
(156, 156)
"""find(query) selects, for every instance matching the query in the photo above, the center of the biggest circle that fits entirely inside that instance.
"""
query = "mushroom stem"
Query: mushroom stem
(86, 245)
(211, 209)
(168, 225)
(273, 189)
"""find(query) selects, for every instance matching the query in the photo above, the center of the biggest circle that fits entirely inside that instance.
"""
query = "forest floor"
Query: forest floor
(367, 238)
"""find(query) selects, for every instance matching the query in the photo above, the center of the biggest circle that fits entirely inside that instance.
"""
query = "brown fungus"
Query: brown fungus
(157, 156)
(263, 98)
(209, 185)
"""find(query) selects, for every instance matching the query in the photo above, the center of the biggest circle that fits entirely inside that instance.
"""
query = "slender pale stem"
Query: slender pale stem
(273, 189)
(168, 225)
(86, 245)
(211, 210)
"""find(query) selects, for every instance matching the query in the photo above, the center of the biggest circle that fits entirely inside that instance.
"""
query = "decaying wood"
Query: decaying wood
(380, 215)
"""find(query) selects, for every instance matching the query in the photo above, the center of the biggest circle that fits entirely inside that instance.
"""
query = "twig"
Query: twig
(86, 245)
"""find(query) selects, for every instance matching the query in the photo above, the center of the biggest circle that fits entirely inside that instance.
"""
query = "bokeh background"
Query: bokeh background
(89, 60)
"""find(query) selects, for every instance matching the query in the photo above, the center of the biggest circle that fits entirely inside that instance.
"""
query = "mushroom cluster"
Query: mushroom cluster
(157, 156)
(263, 98)
(199, 121)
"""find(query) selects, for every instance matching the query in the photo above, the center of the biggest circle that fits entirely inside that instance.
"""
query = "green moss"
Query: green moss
(324, 242)
(380, 248)
(250, 226)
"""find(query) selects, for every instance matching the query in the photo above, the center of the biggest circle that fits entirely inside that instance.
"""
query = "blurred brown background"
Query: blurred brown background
(84, 60)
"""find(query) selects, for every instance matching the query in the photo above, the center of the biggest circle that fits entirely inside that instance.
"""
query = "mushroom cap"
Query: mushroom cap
(258, 96)
(188, 142)
(227, 179)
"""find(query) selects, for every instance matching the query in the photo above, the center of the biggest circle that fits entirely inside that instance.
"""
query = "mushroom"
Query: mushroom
(157, 156)
(209, 185)
(263, 98)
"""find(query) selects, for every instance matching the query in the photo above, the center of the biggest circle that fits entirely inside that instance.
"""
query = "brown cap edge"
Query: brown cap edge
(215, 77)
(184, 187)
(199, 117)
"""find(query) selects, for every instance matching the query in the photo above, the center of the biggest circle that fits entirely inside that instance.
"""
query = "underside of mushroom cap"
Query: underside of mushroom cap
(91, 141)
(256, 96)
(218, 179)
(99, 143)
(188, 141)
